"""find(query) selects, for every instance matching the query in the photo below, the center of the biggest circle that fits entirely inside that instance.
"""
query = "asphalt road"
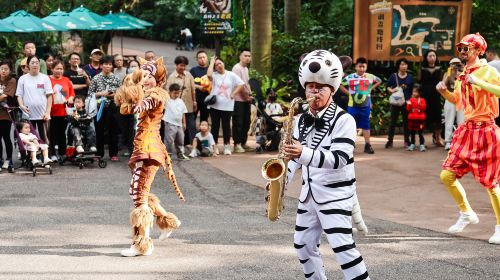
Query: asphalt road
(73, 224)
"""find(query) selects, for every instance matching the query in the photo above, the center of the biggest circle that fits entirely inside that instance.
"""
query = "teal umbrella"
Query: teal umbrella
(62, 18)
(7, 27)
(30, 23)
(95, 21)
(116, 23)
(133, 19)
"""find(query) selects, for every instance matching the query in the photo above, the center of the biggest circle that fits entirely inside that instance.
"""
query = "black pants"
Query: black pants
(5, 126)
(395, 111)
(41, 128)
(190, 131)
(420, 136)
(107, 124)
(127, 129)
(162, 131)
(219, 117)
(241, 122)
(201, 107)
(57, 135)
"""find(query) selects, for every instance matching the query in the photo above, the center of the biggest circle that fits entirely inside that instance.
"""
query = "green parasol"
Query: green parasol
(130, 18)
(27, 22)
(62, 18)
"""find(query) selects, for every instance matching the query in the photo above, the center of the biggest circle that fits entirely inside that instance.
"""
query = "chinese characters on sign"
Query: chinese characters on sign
(216, 16)
(380, 32)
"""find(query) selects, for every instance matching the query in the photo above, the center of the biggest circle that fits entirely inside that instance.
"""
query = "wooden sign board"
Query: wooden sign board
(390, 30)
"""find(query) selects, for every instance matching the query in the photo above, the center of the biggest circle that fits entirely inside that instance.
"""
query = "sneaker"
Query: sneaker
(237, 149)
(79, 149)
(47, 160)
(5, 164)
(447, 146)
(464, 220)
(388, 145)
(126, 154)
(248, 148)
(495, 238)
(93, 149)
(227, 150)
(132, 252)
(35, 162)
(182, 157)
(193, 153)
(411, 147)
(369, 149)
(53, 158)
(421, 148)
(114, 158)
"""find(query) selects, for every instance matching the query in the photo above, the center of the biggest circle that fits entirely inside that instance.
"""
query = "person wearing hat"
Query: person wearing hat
(323, 146)
(450, 111)
(29, 50)
(475, 146)
(94, 67)
(142, 94)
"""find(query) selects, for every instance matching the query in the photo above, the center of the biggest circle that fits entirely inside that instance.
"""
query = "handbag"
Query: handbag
(210, 100)
(397, 98)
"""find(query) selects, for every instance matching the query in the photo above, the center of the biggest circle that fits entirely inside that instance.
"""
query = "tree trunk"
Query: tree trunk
(261, 35)
(292, 16)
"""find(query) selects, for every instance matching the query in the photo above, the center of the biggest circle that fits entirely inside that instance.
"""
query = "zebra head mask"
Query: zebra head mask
(321, 66)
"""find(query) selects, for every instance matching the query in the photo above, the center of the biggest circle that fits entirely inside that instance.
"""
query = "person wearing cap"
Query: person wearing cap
(450, 111)
(22, 68)
(475, 146)
(94, 67)
(323, 146)
(28, 51)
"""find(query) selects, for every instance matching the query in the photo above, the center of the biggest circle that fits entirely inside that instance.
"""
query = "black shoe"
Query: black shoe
(369, 149)
(388, 144)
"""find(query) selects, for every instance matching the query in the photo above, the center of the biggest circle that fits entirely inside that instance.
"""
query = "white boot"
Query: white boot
(165, 233)
(132, 251)
(464, 220)
(495, 238)
(357, 218)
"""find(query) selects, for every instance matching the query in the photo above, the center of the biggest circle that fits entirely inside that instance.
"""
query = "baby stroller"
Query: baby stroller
(268, 131)
(26, 161)
(81, 158)
(181, 43)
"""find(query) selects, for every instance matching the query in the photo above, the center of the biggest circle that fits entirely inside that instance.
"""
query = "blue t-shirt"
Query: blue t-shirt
(360, 88)
(405, 83)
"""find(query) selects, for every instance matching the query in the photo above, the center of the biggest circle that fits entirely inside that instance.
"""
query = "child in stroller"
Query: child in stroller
(269, 124)
(32, 144)
(83, 135)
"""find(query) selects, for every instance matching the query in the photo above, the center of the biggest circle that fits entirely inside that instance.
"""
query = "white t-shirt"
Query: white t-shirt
(186, 32)
(34, 91)
(206, 141)
(222, 86)
(174, 110)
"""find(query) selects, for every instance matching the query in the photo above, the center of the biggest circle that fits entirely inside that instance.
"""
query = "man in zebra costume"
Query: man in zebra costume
(323, 147)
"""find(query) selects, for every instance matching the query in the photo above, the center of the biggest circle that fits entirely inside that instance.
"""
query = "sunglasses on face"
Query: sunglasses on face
(460, 49)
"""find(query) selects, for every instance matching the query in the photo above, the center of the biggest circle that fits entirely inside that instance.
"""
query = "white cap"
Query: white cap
(455, 60)
(96, 51)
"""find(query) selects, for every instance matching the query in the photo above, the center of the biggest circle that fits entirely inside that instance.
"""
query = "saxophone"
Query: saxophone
(274, 169)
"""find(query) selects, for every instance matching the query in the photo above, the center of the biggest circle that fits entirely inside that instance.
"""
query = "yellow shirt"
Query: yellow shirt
(186, 82)
(478, 103)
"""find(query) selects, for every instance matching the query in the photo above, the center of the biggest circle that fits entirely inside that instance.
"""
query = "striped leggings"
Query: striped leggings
(335, 220)
(143, 175)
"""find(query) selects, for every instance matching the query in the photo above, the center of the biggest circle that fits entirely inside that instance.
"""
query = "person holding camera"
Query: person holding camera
(103, 87)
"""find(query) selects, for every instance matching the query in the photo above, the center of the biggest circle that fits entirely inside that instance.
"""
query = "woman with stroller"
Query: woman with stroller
(7, 91)
(63, 95)
(34, 95)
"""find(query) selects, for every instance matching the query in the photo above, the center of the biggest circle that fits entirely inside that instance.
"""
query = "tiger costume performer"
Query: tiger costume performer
(142, 94)
(323, 146)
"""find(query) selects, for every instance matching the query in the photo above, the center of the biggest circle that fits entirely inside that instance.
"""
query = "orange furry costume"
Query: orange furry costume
(148, 155)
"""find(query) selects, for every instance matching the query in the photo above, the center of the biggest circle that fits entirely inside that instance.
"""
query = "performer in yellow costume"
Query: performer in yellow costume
(142, 94)
(476, 143)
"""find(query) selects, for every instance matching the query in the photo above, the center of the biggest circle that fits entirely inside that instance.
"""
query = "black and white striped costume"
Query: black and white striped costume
(328, 190)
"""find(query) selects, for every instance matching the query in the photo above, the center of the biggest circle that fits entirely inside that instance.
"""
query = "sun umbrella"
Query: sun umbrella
(116, 23)
(133, 19)
(30, 23)
(95, 21)
(62, 18)
(7, 27)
